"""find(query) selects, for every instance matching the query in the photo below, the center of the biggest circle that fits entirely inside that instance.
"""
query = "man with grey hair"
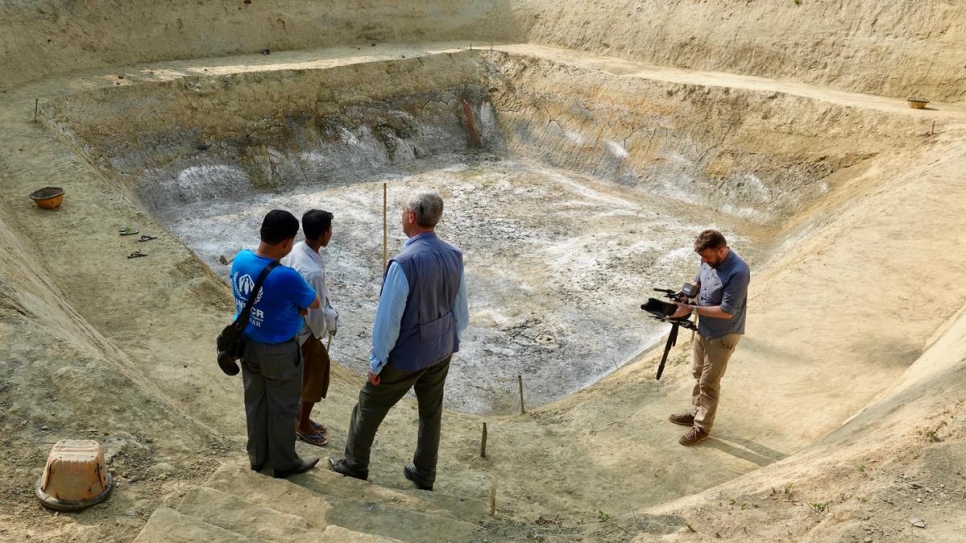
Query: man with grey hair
(422, 310)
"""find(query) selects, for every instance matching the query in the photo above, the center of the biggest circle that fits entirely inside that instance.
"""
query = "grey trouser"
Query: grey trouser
(710, 362)
(273, 387)
(375, 402)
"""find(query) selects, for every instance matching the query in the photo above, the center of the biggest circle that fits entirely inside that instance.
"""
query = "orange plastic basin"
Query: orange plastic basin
(75, 476)
(917, 103)
(48, 197)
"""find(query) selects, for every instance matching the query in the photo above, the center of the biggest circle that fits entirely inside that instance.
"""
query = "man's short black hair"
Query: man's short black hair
(316, 222)
(278, 226)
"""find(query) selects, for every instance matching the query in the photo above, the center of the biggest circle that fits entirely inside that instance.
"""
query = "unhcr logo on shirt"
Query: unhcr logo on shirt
(244, 285)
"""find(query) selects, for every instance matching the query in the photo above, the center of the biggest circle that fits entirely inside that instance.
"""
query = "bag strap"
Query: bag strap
(243, 316)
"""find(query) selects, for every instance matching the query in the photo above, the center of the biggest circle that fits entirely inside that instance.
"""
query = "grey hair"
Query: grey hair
(428, 207)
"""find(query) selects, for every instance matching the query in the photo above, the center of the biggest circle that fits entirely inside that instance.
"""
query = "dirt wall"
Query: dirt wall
(885, 48)
(758, 156)
(39, 38)
(201, 138)
(896, 49)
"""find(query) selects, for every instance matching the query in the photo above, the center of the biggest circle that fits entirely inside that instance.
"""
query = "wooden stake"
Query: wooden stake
(523, 409)
(493, 500)
(483, 443)
(385, 230)
(37, 106)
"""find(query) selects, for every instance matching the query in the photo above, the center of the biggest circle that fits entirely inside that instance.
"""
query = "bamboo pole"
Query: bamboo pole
(493, 500)
(483, 443)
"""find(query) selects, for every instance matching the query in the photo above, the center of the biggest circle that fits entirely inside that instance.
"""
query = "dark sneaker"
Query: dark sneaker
(410, 473)
(342, 467)
(693, 437)
(305, 465)
(684, 419)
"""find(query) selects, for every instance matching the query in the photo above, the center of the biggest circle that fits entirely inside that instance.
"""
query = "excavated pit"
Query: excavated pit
(570, 198)
(846, 390)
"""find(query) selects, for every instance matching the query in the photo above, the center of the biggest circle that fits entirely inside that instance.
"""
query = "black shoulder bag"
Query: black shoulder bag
(231, 340)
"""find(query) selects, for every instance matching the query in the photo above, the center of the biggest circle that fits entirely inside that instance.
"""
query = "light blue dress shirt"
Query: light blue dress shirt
(392, 304)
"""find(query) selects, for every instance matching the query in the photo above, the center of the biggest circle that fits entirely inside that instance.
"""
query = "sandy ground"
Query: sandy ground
(841, 321)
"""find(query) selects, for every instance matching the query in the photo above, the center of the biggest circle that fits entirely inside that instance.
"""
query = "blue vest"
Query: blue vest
(427, 331)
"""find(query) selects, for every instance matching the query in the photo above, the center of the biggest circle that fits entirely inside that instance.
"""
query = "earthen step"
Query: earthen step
(338, 534)
(328, 483)
(322, 481)
(407, 525)
(234, 512)
(356, 505)
(277, 494)
(169, 526)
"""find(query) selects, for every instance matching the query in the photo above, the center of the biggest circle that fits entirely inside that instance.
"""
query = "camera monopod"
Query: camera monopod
(662, 311)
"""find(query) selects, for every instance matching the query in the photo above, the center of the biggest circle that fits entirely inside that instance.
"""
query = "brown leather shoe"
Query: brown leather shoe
(694, 436)
(684, 419)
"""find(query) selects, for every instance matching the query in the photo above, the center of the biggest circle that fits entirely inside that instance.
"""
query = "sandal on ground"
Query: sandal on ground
(321, 428)
(318, 440)
(137, 254)
(128, 231)
(146, 237)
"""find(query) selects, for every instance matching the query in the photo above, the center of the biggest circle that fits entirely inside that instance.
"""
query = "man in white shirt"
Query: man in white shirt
(305, 259)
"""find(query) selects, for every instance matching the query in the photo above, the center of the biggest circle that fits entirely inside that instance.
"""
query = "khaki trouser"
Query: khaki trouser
(710, 362)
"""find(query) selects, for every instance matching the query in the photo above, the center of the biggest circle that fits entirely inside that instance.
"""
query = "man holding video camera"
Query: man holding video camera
(722, 287)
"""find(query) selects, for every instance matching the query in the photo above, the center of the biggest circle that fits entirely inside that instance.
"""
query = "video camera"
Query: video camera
(662, 311)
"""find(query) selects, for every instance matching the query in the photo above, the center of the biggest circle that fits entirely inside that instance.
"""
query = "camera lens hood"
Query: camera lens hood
(659, 308)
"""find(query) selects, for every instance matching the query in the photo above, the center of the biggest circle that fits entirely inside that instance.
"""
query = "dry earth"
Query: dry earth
(842, 415)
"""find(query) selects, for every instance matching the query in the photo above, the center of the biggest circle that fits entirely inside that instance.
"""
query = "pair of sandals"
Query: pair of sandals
(130, 231)
(318, 438)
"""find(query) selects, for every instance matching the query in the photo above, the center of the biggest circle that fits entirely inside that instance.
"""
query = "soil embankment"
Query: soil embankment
(841, 416)
(897, 49)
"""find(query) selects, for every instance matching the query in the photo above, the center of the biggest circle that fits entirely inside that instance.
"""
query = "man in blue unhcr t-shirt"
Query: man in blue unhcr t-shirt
(722, 300)
(271, 364)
